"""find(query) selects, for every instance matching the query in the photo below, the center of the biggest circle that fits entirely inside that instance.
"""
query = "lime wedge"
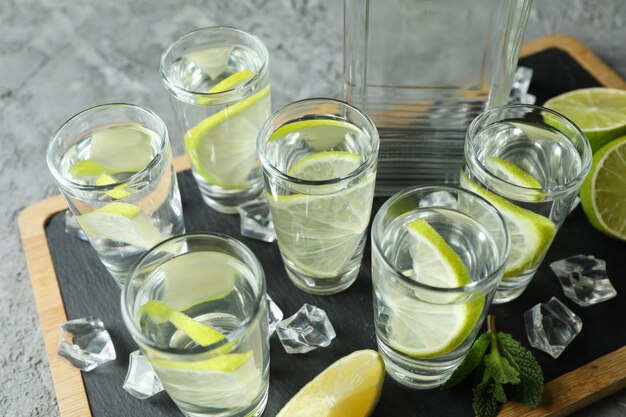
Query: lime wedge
(85, 169)
(319, 134)
(120, 222)
(428, 325)
(349, 387)
(122, 149)
(222, 147)
(320, 233)
(603, 193)
(531, 233)
(599, 112)
(118, 192)
(212, 61)
(511, 173)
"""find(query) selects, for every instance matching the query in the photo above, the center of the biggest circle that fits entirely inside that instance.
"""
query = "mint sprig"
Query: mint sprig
(503, 369)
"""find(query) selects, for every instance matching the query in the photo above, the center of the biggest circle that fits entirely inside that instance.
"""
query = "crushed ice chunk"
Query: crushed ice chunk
(256, 220)
(551, 326)
(584, 279)
(141, 381)
(85, 343)
(274, 314)
(306, 330)
(438, 199)
(72, 227)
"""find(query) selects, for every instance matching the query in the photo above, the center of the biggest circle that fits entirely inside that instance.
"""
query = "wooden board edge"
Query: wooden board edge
(576, 389)
(577, 50)
(67, 380)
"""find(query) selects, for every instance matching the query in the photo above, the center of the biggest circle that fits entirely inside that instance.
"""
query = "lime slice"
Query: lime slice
(222, 147)
(511, 173)
(599, 112)
(212, 61)
(119, 192)
(122, 149)
(325, 165)
(531, 233)
(319, 134)
(320, 233)
(349, 387)
(603, 193)
(85, 170)
(232, 81)
(120, 222)
(428, 325)
(229, 362)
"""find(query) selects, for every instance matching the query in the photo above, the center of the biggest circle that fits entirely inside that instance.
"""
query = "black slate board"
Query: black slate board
(87, 289)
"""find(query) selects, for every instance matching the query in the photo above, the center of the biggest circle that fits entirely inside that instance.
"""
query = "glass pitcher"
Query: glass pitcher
(423, 70)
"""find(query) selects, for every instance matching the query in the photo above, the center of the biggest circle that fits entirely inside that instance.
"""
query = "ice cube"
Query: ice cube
(85, 343)
(274, 313)
(551, 326)
(141, 380)
(438, 199)
(306, 330)
(256, 220)
(72, 227)
(584, 279)
(519, 88)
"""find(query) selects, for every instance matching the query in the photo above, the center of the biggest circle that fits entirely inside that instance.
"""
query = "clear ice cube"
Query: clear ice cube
(551, 327)
(438, 199)
(584, 279)
(306, 330)
(72, 227)
(256, 220)
(274, 313)
(575, 204)
(519, 88)
(85, 343)
(141, 380)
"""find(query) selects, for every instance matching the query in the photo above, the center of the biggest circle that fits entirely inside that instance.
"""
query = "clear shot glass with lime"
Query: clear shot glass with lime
(113, 165)
(435, 269)
(529, 162)
(319, 166)
(195, 305)
(218, 79)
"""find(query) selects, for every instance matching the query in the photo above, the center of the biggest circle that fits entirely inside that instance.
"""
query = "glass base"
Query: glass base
(511, 288)
(224, 200)
(254, 410)
(417, 373)
(321, 286)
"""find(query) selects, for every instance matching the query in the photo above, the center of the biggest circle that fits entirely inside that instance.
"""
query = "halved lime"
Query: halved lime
(222, 147)
(120, 222)
(603, 193)
(349, 387)
(320, 233)
(319, 134)
(531, 233)
(428, 325)
(599, 112)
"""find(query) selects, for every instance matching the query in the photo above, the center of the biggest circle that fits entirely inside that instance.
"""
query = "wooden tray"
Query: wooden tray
(69, 282)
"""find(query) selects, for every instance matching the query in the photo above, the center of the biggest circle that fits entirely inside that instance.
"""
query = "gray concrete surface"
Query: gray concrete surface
(59, 57)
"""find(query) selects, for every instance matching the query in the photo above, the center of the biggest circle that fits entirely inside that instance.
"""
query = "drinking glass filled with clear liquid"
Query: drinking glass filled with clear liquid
(195, 305)
(529, 162)
(113, 165)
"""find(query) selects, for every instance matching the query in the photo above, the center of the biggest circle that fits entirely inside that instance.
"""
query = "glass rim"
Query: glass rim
(67, 183)
(585, 153)
(267, 130)
(143, 341)
(231, 92)
(472, 286)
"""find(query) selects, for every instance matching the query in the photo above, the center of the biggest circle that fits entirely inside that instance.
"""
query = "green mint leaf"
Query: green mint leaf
(471, 360)
(501, 370)
(497, 390)
(484, 402)
(530, 388)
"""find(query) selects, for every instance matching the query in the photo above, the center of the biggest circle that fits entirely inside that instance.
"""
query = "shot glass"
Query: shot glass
(195, 305)
(529, 162)
(113, 165)
(319, 166)
(218, 79)
(438, 254)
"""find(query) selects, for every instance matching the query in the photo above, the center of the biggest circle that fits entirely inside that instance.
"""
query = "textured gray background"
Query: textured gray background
(60, 57)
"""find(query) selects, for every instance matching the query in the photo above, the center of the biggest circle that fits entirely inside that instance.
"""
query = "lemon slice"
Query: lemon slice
(212, 61)
(222, 147)
(119, 192)
(120, 222)
(511, 173)
(319, 134)
(531, 233)
(599, 112)
(320, 233)
(349, 387)
(428, 325)
(603, 193)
